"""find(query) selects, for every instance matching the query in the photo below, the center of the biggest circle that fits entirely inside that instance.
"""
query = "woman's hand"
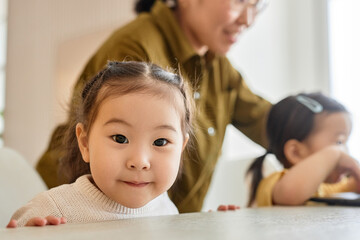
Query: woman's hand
(39, 222)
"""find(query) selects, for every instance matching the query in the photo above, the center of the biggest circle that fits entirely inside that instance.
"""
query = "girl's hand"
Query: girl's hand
(12, 224)
(39, 222)
(347, 166)
(229, 207)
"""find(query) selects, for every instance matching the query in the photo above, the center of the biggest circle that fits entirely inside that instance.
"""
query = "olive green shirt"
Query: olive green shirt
(221, 98)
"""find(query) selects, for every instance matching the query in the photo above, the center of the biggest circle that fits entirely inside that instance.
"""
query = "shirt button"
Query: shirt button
(211, 131)
(196, 95)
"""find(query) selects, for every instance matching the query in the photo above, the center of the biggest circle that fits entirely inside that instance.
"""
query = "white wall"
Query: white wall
(3, 30)
(48, 43)
(345, 59)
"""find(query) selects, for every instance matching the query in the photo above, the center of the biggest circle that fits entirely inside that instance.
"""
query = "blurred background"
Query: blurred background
(295, 45)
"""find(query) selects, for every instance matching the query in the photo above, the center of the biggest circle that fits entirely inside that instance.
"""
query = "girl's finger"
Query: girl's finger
(36, 221)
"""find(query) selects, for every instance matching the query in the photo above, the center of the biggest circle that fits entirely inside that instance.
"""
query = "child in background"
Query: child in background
(307, 133)
(124, 150)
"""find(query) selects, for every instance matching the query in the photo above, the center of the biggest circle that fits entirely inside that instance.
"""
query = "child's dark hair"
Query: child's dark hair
(291, 118)
(146, 5)
(116, 79)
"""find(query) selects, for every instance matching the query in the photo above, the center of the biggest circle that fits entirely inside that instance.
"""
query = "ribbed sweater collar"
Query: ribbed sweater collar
(86, 187)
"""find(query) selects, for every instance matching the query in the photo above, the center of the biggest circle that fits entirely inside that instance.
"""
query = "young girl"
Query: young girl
(124, 149)
(307, 133)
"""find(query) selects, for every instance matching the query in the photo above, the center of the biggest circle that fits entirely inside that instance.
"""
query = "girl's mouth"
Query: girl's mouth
(136, 184)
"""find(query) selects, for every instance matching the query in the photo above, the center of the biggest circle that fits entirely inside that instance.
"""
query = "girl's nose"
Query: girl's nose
(138, 162)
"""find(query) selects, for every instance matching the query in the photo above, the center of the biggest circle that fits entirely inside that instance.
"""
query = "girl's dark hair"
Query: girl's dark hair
(291, 118)
(146, 5)
(116, 79)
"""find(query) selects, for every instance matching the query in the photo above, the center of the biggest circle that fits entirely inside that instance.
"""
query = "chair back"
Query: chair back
(19, 183)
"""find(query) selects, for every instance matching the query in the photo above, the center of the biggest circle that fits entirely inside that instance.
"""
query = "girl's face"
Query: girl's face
(134, 147)
(215, 24)
(330, 129)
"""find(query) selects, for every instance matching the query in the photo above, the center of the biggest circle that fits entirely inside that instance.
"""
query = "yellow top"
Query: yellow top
(266, 186)
(222, 98)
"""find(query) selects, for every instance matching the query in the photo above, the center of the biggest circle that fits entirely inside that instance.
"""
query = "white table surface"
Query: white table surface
(263, 223)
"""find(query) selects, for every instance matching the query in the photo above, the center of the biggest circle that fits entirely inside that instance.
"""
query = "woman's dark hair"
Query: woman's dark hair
(146, 5)
(291, 118)
(117, 79)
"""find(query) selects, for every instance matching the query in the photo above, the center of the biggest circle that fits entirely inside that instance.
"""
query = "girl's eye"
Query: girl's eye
(339, 142)
(120, 139)
(160, 142)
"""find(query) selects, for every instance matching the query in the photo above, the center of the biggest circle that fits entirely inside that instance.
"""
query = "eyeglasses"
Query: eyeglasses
(258, 5)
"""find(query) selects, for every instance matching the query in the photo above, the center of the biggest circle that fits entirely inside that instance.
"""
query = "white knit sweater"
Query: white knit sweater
(83, 202)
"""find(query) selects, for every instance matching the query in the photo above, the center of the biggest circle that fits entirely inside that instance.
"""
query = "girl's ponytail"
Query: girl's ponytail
(255, 170)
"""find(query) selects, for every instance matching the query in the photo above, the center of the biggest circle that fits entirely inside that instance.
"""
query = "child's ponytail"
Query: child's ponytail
(255, 170)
